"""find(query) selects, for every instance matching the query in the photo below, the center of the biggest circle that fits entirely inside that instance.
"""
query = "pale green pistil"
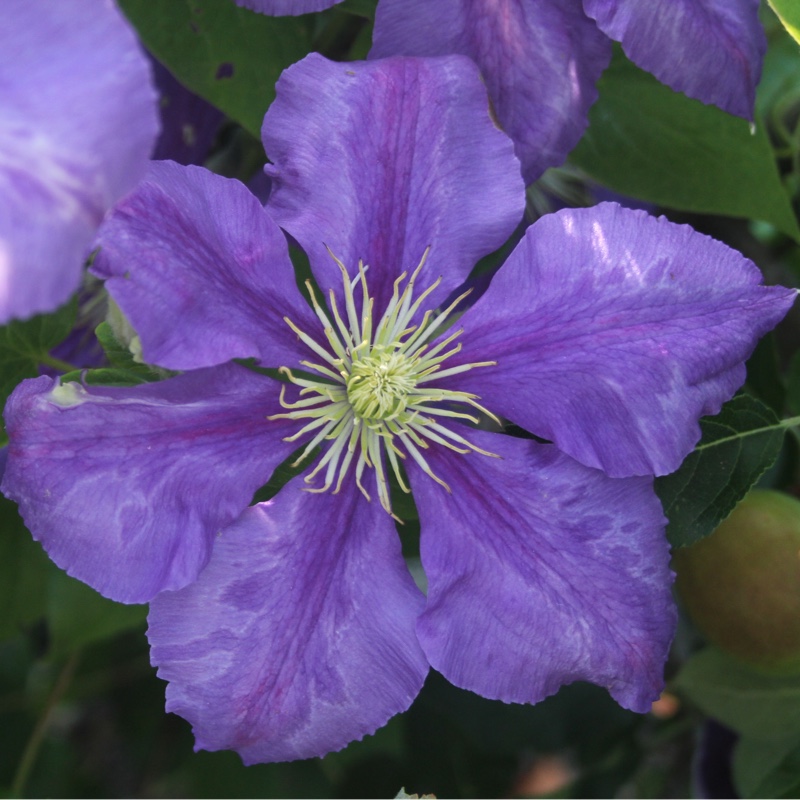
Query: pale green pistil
(372, 398)
(379, 385)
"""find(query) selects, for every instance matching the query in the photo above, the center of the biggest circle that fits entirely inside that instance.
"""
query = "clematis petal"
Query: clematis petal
(542, 572)
(282, 8)
(201, 271)
(126, 488)
(189, 124)
(614, 332)
(541, 60)
(297, 638)
(398, 155)
(709, 49)
(77, 123)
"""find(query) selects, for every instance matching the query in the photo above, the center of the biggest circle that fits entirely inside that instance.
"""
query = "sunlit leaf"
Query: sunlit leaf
(788, 12)
(229, 55)
(652, 143)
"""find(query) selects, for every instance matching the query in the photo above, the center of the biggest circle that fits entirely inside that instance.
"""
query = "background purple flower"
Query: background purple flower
(77, 123)
(286, 629)
(189, 124)
(281, 8)
(541, 59)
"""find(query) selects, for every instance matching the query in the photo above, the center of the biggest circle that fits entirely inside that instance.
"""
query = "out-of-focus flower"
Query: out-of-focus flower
(78, 120)
(280, 8)
(287, 629)
(712, 767)
(541, 59)
(189, 124)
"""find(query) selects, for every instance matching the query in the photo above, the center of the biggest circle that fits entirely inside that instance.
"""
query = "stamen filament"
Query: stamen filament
(350, 304)
(320, 421)
(416, 455)
(309, 342)
(348, 457)
(457, 370)
(309, 401)
(426, 431)
(423, 335)
(456, 438)
(444, 412)
(337, 376)
(437, 348)
(332, 456)
(345, 334)
(392, 453)
(321, 315)
(368, 397)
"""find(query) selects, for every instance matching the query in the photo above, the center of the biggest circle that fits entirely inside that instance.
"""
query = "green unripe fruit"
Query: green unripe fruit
(741, 584)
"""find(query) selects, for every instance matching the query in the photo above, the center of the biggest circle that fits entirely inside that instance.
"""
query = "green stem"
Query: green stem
(37, 737)
(56, 363)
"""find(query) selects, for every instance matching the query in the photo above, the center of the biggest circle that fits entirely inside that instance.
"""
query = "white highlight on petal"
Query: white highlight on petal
(68, 186)
(632, 269)
(5, 274)
(599, 240)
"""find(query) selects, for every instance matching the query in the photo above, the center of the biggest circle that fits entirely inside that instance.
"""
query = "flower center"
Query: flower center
(370, 396)
(379, 385)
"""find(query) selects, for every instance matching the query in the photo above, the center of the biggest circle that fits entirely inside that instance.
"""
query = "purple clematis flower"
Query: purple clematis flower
(285, 8)
(189, 124)
(78, 120)
(541, 59)
(287, 629)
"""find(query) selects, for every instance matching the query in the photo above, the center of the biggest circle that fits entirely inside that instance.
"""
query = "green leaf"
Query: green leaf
(360, 8)
(229, 55)
(77, 615)
(788, 12)
(283, 473)
(793, 383)
(736, 448)
(752, 703)
(32, 587)
(117, 354)
(124, 370)
(24, 570)
(650, 142)
(42, 333)
(767, 768)
(24, 345)
(780, 78)
(103, 377)
(222, 774)
(764, 374)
